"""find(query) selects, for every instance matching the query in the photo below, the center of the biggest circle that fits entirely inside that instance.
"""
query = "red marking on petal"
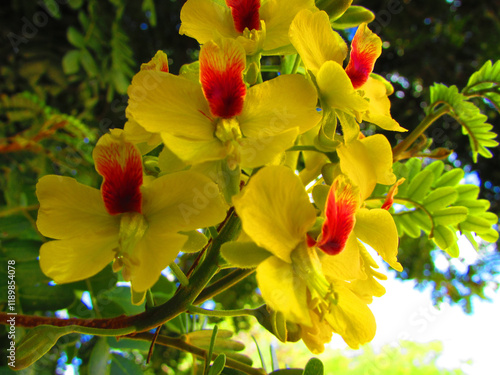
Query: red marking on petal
(120, 164)
(340, 210)
(365, 49)
(245, 14)
(389, 199)
(221, 77)
(310, 241)
(158, 63)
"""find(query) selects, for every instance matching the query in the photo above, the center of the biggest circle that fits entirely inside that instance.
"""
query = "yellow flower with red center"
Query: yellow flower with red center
(133, 224)
(328, 277)
(353, 93)
(260, 26)
(219, 117)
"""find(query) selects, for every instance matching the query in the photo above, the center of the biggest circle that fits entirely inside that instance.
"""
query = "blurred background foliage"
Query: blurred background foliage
(65, 67)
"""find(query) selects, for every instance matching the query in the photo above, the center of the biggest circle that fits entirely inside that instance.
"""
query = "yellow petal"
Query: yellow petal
(351, 318)
(314, 39)
(316, 336)
(355, 162)
(278, 15)
(380, 151)
(275, 210)
(379, 108)
(70, 209)
(258, 151)
(182, 201)
(377, 229)
(337, 90)
(262, 113)
(77, 258)
(194, 150)
(168, 162)
(144, 140)
(368, 288)
(153, 253)
(204, 19)
(163, 103)
(346, 265)
(283, 290)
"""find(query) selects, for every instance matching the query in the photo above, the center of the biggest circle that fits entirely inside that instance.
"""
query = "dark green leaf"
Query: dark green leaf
(99, 358)
(75, 37)
(71, 61)
(314, 367)
(218, 365)
(353, 16)
(124, 366)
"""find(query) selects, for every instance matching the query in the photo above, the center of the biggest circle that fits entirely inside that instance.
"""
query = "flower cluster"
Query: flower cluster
(231, 138)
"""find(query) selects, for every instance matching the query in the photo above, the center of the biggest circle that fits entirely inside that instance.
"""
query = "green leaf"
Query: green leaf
(124, 366)
(444, 237)
(469, 116)
(89, 63)
(421, 219)
(475, 224)
(450, 178)
(291, 371)
(440, 198)
(420, 185)
(475, 206)
(437, 168)
(450, 215)
(491, 235)
(149, 6)
(75, 37)
(22, 250)
(353, 16)
(467, 192)
(43, 297)
(485, 82)
(244, 254)
(128, 344)
(195, 242)
(98, 363)
(218, 365)
(314, 367)
(36, 343)
(71, 61)
(408, 225)
(52, 8)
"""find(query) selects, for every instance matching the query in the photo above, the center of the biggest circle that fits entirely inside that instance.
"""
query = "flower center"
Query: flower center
(229, 133)
(245, 14)
(133, 226)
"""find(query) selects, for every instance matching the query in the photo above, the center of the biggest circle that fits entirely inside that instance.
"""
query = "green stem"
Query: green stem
(213, 232)
(150, 301)
(179, 274)
(222, 284)
(95, 305)
(419, 130)
(221, 313)
(270, 68)
(14, 210)
(296, 64)
(179, 344)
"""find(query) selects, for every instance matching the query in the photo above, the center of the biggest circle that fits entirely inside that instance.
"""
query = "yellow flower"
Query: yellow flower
(351, 92)
(260, 26)
(135, 225)
(327, 278)
(220, 118)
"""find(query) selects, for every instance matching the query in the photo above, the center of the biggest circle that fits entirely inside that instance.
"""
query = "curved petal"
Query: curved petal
(120, 164)
(245, 14)
(203, 19)
(77, 258)
(283, 290)
(355, 162)
(144, 140)
(351, 318)
(278, 15)
(194, 150)
(380, 151)
(337, 90)
(314, 39)
(377, 229)
(347, 265)
(258, 151)
(154, 252)
(379, 108)
(275, 210)
(221, 76)
(161, 102)
(295, 108)
(317, 335)
(182, 201)
(366, 47)
(369, 287)
(70, 209)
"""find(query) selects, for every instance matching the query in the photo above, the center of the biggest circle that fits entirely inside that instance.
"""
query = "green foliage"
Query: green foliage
(469, 116)
(486, 83)
(436, 204)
